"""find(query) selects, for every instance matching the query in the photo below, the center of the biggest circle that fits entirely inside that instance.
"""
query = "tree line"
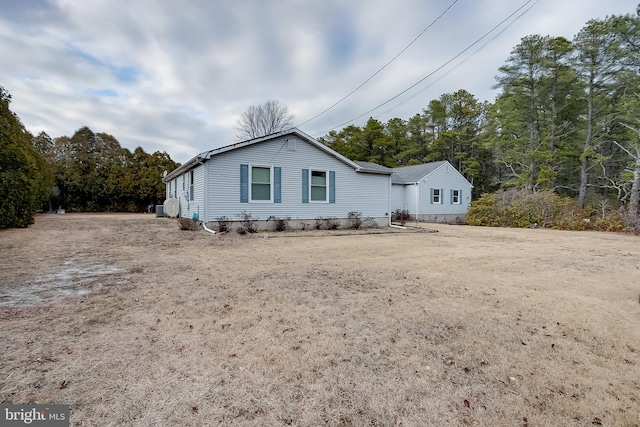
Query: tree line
(566, 119)
(85, 172)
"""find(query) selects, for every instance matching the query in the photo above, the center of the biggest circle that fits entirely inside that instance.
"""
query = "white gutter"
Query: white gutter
(390, 214)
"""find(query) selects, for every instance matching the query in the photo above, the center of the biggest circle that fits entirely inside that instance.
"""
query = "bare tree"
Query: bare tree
(634, 152)
(261, 120)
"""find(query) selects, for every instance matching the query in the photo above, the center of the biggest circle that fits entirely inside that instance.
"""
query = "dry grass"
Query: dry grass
(468, 326)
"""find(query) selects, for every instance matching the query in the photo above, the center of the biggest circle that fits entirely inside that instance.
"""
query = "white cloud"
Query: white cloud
(174, 76)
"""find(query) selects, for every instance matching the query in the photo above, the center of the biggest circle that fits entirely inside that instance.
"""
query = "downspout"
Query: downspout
(417, 201)
(392, 225)
(205, 180)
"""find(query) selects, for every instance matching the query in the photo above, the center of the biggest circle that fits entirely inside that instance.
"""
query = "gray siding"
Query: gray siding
(189, 207)
(363, 192)
(440, 179)
(398, 197)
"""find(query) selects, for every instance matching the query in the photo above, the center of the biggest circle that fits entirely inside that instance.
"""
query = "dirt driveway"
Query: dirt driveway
(134, 322)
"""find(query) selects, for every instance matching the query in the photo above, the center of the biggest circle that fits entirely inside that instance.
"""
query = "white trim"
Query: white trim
(453, 197)
(250, 181)
(433, 201)
(326, 193)
(190, 188)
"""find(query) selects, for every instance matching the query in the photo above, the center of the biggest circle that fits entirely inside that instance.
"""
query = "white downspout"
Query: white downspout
(417, 184)
(205, 179)
(392, 225)
(204, 225)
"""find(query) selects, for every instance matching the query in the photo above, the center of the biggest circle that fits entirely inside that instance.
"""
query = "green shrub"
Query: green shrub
(484, 211)
(523, 208)
(612, 221)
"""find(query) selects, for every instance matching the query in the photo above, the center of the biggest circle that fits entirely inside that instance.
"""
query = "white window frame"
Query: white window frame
(271, 183)
(437, 197)
(191, 188)
(456, 195)
(326, 193)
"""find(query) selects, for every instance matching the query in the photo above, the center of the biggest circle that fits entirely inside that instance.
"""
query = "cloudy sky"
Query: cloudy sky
(175, 75)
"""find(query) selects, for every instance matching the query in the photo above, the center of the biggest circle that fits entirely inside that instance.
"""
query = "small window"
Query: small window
(184, 181)
(455, 197)
(191, 185)
(260, 183)
(318, 184)
(436, 197)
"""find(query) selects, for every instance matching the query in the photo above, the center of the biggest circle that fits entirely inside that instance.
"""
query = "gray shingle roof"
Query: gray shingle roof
(293, 131)
(411, 174)
(373, 167)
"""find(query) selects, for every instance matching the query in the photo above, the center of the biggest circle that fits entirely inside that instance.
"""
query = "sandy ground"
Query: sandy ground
(134, 322)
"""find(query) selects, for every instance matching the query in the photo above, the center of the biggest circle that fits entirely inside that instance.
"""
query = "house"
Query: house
(432, 192)
(287, 174)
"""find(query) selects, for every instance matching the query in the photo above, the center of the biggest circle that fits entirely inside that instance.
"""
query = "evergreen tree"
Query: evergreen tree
(21, 182)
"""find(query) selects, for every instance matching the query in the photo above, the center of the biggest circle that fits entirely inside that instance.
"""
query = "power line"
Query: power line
(383, 67)
(461, 62)
(434, 71)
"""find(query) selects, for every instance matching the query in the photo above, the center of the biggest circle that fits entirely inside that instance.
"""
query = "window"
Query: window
(455, 197)
(184, 181)
(318, 186)
(436, 196)
(260, 183)
(191, 185)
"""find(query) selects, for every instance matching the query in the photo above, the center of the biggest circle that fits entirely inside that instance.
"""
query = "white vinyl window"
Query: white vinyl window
(455, 197)
(319, 186)
(261, 178)
(436, 197)
(191, 186)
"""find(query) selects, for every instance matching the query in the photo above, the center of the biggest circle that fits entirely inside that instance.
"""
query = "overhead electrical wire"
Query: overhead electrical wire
(459, 63)
(436, 70)
(379, 70)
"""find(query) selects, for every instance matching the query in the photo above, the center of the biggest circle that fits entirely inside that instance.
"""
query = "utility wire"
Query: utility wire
(433, 72)
(459, 63)
(383, 67)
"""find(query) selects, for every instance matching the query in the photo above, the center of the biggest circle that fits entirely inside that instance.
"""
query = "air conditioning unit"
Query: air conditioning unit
(159, 211)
